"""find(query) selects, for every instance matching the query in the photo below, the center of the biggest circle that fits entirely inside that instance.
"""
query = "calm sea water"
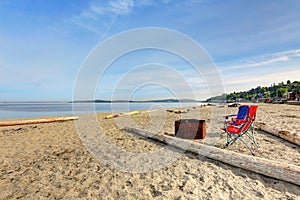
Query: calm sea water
(27, 110)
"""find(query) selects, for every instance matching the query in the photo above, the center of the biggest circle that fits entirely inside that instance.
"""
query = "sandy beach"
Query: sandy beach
(51, 160)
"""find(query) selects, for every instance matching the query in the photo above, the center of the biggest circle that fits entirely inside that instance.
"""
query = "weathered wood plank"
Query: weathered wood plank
(286, 135)
(36, 121)
(279, 170)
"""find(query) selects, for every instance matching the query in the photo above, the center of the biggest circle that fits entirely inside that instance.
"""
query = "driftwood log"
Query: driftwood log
(286, 135)
(36, 121)
(111, 116)
(278, 170)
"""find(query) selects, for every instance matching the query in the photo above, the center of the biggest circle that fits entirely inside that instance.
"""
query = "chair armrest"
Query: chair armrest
(227, 116)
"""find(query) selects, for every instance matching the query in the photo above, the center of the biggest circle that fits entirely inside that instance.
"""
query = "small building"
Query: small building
(292, 96)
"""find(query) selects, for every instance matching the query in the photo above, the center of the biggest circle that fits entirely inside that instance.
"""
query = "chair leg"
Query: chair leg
(250, 149)
(251, 136)
(254, 140)
(227, 143)
(230, 139)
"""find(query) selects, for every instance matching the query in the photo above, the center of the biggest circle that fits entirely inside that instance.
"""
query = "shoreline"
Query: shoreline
(43, 110)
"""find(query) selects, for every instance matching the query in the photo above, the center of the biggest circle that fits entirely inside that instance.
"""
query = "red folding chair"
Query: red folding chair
(235, 132)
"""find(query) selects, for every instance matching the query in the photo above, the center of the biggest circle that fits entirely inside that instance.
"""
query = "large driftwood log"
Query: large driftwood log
(36, 121)
(278, 170)
(286, 135)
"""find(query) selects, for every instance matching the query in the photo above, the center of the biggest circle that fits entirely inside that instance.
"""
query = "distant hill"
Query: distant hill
(142, 101)
(281, 91)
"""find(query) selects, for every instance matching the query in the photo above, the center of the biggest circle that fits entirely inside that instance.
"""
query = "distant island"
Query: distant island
(281, 92)
(139, 101)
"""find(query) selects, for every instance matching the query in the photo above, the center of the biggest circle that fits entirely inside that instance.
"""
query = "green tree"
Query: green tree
(281, 91)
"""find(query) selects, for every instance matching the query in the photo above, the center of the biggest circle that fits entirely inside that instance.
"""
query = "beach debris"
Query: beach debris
(274, 169)
(290, 116)
(286, 135)
(18, 130)
(149, 111)
(111, 116)
(210, 104)
(169, 134)
(37, 121)
(131, 113)
(234, 105)
(169, 110)
(176, 111)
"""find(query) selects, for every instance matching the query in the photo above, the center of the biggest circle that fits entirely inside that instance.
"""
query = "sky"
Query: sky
(46, 45)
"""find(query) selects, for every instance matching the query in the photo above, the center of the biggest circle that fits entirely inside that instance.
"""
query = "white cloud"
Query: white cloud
(292, 52)
(261, 70)
(101, 16)
(263, 79)
(265, 60)
(260, 63)
(120, 6)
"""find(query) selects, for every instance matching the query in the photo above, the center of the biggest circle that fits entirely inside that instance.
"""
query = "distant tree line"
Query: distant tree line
(275, 91)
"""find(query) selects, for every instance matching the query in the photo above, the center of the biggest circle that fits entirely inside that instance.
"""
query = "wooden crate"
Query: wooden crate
(190, 129)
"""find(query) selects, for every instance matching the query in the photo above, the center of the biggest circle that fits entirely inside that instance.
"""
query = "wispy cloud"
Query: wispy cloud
(260, 63)
(265, 60)
(98, 18)
(294, 52)
(264, 79)
(120, 6)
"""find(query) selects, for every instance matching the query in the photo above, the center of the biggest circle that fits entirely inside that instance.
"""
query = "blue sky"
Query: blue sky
(43, 45)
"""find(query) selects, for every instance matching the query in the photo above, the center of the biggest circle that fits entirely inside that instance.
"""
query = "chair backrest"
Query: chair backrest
(252, 112)
(250, 118)
(243, 112)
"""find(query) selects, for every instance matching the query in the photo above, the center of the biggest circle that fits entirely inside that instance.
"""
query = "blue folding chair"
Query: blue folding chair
(239, 118)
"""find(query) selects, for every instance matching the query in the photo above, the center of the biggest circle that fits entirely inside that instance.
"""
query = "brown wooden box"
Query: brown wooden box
(190, 129)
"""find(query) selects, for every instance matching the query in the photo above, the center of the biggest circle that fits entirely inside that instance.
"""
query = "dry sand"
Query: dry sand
(50, 160)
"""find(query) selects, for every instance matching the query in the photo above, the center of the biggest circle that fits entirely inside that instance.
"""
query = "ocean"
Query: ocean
(27, 110)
